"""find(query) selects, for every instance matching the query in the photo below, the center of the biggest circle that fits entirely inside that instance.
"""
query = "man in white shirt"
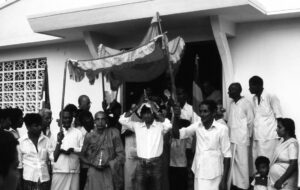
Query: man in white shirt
(149, 142)
(266, 111)
(66, 161)
(34, 151)
(240, 122)
(212, 159)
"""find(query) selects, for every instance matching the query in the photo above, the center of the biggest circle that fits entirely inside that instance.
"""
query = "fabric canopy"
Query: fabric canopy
(144, 63)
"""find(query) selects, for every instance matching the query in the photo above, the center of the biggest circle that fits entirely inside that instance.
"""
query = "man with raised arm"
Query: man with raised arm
(212, 158)
(149, 142)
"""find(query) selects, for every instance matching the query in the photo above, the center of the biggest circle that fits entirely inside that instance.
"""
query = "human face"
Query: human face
(88, 123)
(281, 130)
(220, 110)
(46, 120)
(10, 181)
(35, 129)
(66, 119)
(148, 117)
(85, 103)
(207, 88)
(6, 123)
(263, 169)
(233, 92)
(205, 114)
(100, 121)
(254, 89)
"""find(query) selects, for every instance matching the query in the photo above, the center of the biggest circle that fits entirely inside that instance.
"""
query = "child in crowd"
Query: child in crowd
(260, 181)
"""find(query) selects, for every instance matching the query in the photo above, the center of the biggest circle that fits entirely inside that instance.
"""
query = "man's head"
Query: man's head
(66, 118)
(234, 90)
(207, 110)
(9, 174)
(256, 85)
(16, 118)
(147, 115)
(86, 119)
(262, 165)
(5, 118)
(84, 102)
(100, 120)
(33, 122)
(72, 109)
(208, 88)
(46, 115)
(181, 96)
(220, 110)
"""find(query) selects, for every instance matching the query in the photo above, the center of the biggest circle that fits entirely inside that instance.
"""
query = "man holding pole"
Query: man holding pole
(66, 161)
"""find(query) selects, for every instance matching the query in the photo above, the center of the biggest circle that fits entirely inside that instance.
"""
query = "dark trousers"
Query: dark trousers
(149, 174)
(82, 178)
(178, 178)
(30, 185)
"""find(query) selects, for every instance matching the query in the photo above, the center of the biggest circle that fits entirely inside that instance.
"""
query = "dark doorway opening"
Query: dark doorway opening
(210, 69)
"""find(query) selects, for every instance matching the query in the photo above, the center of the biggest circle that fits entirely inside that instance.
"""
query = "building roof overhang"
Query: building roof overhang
(122, 19)
(120, 16)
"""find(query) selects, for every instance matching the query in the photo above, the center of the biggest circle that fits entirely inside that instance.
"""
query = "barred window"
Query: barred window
(21, 83)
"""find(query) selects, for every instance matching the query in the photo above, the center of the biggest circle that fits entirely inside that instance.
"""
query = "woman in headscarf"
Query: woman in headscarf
(103, 151)
(284, 164)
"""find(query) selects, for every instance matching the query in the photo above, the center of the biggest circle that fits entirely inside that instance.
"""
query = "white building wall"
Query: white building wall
(56, 56)
(270, 49)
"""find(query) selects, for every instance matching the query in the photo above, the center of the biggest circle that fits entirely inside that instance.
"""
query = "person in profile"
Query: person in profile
(266, 111)
(9, 174)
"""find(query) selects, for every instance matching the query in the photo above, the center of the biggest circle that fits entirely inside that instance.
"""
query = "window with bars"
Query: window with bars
(21, 83)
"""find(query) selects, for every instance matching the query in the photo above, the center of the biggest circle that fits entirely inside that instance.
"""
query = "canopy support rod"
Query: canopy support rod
(63, 92)
(165, 45)
(103, 86)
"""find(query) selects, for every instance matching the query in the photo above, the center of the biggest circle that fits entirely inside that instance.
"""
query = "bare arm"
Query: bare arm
(223, 184)
(57, 150)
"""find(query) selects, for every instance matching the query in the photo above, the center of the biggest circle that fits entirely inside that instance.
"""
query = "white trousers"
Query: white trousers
(207, 184)
(65, 181)
(240, 166)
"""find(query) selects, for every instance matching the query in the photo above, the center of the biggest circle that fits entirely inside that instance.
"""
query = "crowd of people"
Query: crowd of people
(150, 146)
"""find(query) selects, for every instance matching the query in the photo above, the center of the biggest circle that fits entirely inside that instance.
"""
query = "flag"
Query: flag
(197, 92)
(45, 90)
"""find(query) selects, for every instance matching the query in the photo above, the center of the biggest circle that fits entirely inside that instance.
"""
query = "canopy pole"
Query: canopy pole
(103, 86)
(116, 97)
(63, 92)
(165, 45)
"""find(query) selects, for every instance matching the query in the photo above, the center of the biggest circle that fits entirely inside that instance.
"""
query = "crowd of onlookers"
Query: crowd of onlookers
(152, 144)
